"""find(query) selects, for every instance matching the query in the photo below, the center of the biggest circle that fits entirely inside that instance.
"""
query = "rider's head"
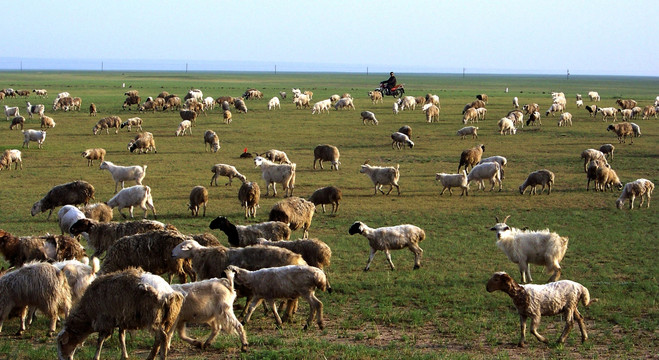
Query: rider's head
(391, 73)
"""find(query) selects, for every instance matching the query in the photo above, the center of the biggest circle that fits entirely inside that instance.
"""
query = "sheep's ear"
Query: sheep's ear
(367, 161)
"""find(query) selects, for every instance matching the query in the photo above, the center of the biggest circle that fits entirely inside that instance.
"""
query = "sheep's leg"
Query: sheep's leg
(631, 202)
(250, 309)
(569, 323)
(273, 304)
(535, 321)
(102, 336)
(443, 190)
(215, 329)
(130, 211)
(204, 215)
(334, 210)
(391, 263)
(323, 207)
(418, 252)
(274, 189)
(548, 188)
(214, 178)
(522, 327)
(582, 325)
(522, 269)
(370, 259)
(556, 269)
(22, 316)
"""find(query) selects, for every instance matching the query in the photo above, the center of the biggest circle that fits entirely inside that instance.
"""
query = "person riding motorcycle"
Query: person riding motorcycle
(389, 83)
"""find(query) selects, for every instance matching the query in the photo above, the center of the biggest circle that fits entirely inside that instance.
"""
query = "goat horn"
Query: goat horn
(506, 219)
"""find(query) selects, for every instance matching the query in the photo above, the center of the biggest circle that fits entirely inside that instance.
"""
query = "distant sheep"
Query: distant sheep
(277, 173)
(121, 174)
(401, 140)
(47, 122)
(100, 212)
(486, 171)
(530, 108)
(143, 142)
(649, 111)
(11, 112)
(213, 141)
(407, 130)
(185, 125)
(35, 109)
(321, 106)
(608, 112)
(627, 103)
(533, 118)
(592, 154)
(107, 123)
(516, 102)
(376, 96)
(432, 113)
(344, 103)
(565, 119)
(594, 96)
(274, 103)
(134, 121)
(276, 156)
(368, 116)
(391, 238)
(623, 130)
(607, 150)
(506, 126)
(16, 122)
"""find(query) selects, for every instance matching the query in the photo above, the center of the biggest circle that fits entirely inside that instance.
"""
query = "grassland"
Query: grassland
(441, 310)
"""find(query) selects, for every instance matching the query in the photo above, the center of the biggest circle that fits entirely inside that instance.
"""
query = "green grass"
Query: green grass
(440, 311)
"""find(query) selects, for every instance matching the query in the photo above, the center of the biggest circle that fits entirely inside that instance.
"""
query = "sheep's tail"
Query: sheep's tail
(585, 297)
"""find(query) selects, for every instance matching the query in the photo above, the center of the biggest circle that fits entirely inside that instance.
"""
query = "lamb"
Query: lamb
(182, 127)
(100, 212)
(16, 122)
(626, 104)
(209, 302)
(73, 193)
(486, 171)
(150, 251)
(198, 198)
(210, 262)
(239, 104)
(101, 235)
(432, 113)
(606, 178)
(649, 111)
(94, 154)
(274, 103)
(453, 180)
(92, 109)
(276, 156)
(345, 102)
(227, 117)
(561, 297)
(139, 300)
(533, 118)
(321, 106)
(565, 119)
(592, 154)
(506, 126)
(391, 238)
(515, 102)
(623, 130)
(132, 196)
(120, 174)
(228, 171)
(246, 235)
(594, 96)
(287, 282)
(326, 153)
(607, 150)
(20, 250)
(277, 173)
(38, 136)
(35, 109)
(636, 129)
(134, 121)
(38, 285)
(471, 157)
(327, 195)
(400, 140)
(249, 196)
(295, 212)
(143, 142)
(368, 116)
(47, 122)
(10, 156)
(11, 112)
(382, 176)
(213, 141)
(79, 275)
(67, 216)
(376, 96)
(107, 123)
(608, 112)
(642, 188)
(528, 246)
(542, 177)
(189, 115)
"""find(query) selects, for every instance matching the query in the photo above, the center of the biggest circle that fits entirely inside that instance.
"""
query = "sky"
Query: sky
(497, 37)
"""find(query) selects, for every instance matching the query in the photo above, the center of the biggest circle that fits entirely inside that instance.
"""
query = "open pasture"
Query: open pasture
(441, 310)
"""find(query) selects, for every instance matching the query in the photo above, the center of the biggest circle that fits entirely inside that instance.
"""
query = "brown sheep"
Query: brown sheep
(626, 104)
(73, 193)
(101, 235)
(471, 157)
(249, 195)
(327, 195)
(198, 197)
(20, 250)
(623, 130)
(294, 211)
(94, 154)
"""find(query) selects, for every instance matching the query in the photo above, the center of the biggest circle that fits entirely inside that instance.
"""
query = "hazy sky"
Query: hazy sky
(586, 37)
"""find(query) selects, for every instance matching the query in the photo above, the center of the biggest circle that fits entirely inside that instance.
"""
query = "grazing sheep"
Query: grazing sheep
(627, 114)
(605, 177)
(515, 102)
(101, 235)
(560, 297)
(94, 154)
(295, 212)
(391, 238)
(533, 118)
(400, 140)
(35, 109)
(301, 101)
(67, 216)
(282, 94)
(172, 103)
(66, 103)
(38, 136)
(608, 112)
(607, 150)
(471, 157)
(432, 99)
(276, 156)
(100, 212)
(623, 130)
(626, 104)
(453, 180)
(107, 123)
(382, 176)
(143, 142)
(473, 105)
(92, 109)
(525, 247)
(565, 119)
(517, 117)
(636, 129)
(41, 92)
(327, 195)
(482, 97)
(470, 115)
(239, 104)
(542, 177)
(649, 111)
(225, 170)
(37, 285)
(530, 108)
(468, 130)
(481, 112)
(138, 300)
(506, 126)
(502, 161)
(592, 110)
(182, 127)
(277, 173)
(642, 188)
(210, 262)
(189, 115)
(286, 282)
(134, 121)
(432, 113)
(213, 141)
(579, 103)
(133, 196)
(486, 171)
(198, 198)
(345, 102)
(120, 174)
(246, 235)
(10, 156)
(47, 122)
(209, 302)
(227, 117)
(591, 170)
(249, 196)
(326, 153)
(274, 103)
(16, 122)
(20, 250)
(73, 193)
(11, 112)
(592, 154)
(368, 116)
(594, 96)
(321, 106)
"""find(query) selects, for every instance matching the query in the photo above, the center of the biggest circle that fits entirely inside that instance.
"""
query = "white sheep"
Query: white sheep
(560, 297)
(368, 116)
(468, 130)
(120, 174)
(432, 112)
(67, 216)
(276, 173)
(10, 156)
(642, 188)
(407, 102)
(608, 112)
(134, 121)
(274, 103)
(454, 180)
(79, 275)
(228, 171)
(38, 136)
(401, 140)
(579, 103)
(182, 127)
(395, 108)
(321, 106)
(11, 112)
(636, 129)
(382, 176)
(516, 102)
(506, 126)
(35, 109)
(594, 96)
(502, 161)
(138, 195)
(486, 171)
(565, 119)
(344, 102)
(529, 246)
(391, 238)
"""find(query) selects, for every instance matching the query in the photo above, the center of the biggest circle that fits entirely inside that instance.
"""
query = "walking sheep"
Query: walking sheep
(542, 177)
(73, 193)
(642, 188)
(120, 174)
(102, 235)
(327, 195)
(468, 130)
(133, 196)
(528, 246)
(560, 297)
(225, 170)
(277, 173)
(454, 180)
(486, 171)
(94, 154)
(295, 212)
(368, 116)
(326, 153)
(382, 176)
(391, 238)
(246, 235)
(623, 130)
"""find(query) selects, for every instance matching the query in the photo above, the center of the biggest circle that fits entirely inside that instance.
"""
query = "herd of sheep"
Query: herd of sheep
(53, 275)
